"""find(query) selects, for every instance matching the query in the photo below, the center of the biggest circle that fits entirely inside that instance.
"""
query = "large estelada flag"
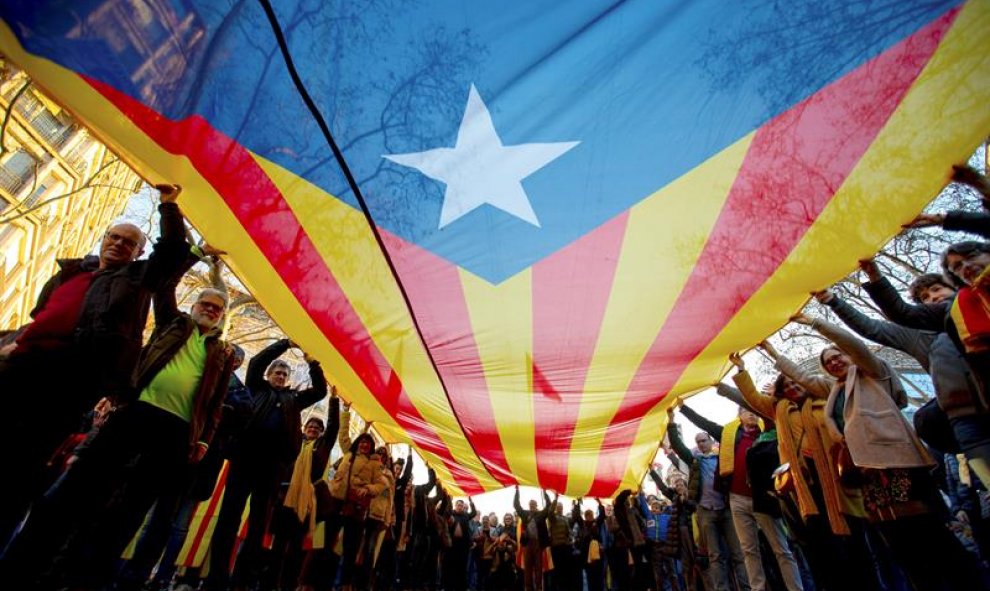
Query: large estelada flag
(583, 207)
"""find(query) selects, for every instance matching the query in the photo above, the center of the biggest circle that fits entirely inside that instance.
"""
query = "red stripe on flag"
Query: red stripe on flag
(266, 216)
(570, 294)
(794, 166)
(208, 515)
(437, 295)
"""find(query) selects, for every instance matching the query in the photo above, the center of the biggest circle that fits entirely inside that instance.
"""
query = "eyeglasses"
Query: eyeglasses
(835, 360)
(210, 306)
(957, 265)
(115, 237)
(280, 373)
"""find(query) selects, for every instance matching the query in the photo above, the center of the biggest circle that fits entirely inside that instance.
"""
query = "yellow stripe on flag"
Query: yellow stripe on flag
(664, 237)
(942, 117)
(343, 239)
(502, 320)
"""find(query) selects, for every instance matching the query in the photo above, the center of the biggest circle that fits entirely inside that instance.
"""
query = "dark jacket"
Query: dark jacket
(463, 520)
(973, 222)
(959, 379)
(324, 443)
(401, 486)
(761, 461)
(419, 520)
(540, 516)
(587, 532)
(558, 526)
(111, 323)
(680, 517)
(631, 523)
(694, 477)
(291, 401)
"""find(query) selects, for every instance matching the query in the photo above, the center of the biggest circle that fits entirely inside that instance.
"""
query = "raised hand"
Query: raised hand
(869, 266)
(737, 360)
(824, 296)
(801, 318)
(168, 193)
(212, 251)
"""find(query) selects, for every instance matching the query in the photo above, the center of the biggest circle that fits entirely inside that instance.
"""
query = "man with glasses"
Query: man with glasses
(144, 453)
(82, 345)
(261, 459)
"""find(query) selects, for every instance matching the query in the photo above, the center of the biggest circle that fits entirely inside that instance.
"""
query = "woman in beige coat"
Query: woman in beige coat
(899, 493)
(833, 515)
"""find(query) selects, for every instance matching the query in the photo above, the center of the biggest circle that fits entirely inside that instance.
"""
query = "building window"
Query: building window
(16, 170)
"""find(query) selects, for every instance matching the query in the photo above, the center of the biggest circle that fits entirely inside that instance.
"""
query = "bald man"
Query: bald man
(82, 344)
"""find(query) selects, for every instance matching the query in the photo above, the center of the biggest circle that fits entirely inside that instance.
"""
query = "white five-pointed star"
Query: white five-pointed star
(479, 169)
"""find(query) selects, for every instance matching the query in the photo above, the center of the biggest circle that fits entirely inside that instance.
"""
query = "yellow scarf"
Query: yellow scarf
(301, 496)
(727, 447)
(828, 473)
(790, 452)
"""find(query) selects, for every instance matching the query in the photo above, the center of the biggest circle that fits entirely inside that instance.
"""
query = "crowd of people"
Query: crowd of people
(819, 483)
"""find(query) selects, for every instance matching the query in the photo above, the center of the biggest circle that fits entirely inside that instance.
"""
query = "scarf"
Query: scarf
(828, 472)
(970, 313)
(790, 452)
(301, 496)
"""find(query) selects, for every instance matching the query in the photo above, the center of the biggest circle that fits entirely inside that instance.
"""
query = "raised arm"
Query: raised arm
(473, 510)
(644, 508)
(260, 362)
(920, 316)
(886, 333)
(317, 390)
(856, 349)
(517, 505)
(171, 251)
(972, 222)
(344, 433)
(545, 511)
(817, 385)
(333, 417)
(424, 489)
(759, 403)
(662, 486)
(733, 394)
(710, 427)
(407, 471)
(165, 305)
(674, 434)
